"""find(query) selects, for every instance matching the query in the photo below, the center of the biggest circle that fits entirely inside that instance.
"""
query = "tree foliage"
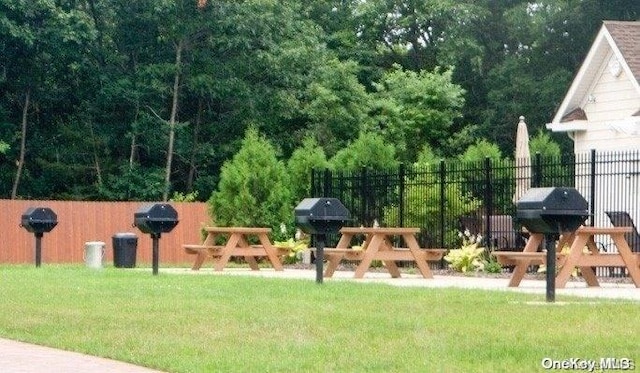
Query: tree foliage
(422, 205)
(100, 97)
(543, 144)
(254, 187)
(369, 150)
(415, 108)
(480, 150)
(303, 160)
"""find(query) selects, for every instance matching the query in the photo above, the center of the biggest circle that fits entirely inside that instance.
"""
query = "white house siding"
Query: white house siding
(609, 108)
(609, 102)
(611, 128)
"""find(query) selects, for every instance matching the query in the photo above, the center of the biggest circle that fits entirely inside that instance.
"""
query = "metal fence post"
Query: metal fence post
(488, 198)
(364, 200)
(327, 183)
(537, 171)
(401, 186)
(443, 204)
(313, 187)
(592, 181)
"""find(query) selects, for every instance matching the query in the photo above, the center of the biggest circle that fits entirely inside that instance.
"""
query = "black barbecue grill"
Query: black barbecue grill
(39, 220)
(552, 210)
(155, 219)
(319, 217)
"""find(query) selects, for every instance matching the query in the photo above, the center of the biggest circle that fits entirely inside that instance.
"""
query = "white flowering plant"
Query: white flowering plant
(469, 257)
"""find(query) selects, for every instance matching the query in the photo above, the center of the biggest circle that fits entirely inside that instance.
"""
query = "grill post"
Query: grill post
(551, 267)
(38, 248)
(320, 240)
(38, 220)
(155, 237)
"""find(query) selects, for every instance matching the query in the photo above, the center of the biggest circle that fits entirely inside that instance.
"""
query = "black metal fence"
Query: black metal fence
(449, 197)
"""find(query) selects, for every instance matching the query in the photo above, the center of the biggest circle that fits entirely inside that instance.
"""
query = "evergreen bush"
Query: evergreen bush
(254, 188)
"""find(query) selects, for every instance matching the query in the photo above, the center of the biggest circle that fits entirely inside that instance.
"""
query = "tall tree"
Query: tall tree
(417, 34)
(415, 109)
(41, 41)
(181, 28)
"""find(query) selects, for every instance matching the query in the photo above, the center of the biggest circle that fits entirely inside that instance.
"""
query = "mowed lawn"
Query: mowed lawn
(212, 323)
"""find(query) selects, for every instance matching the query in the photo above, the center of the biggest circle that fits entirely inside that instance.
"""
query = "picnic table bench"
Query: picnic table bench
(237, 244)
(576, 257)
(592, 257)
(378, 246)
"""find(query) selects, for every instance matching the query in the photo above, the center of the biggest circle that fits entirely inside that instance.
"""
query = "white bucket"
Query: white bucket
(94, 254)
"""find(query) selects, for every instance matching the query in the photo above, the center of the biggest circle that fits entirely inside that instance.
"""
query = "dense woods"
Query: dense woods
(147, 99)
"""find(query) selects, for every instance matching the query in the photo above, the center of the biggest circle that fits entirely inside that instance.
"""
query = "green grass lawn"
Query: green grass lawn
(209, 323)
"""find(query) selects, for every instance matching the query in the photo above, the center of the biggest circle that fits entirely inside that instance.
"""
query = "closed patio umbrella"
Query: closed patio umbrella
(522, 161)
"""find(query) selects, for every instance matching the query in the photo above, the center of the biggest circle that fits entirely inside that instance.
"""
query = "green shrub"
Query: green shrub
(422, 206)
(295, 247)
(254, 188)
(299, 166)
(491, 265)
(184, 197)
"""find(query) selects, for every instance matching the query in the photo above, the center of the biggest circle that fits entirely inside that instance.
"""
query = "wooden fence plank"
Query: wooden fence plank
(80, 222)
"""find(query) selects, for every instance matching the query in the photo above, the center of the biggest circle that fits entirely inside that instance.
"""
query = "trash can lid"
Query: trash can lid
(125, 234)
(93, 243)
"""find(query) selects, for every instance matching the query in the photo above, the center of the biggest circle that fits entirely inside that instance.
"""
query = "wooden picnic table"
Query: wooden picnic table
(378, 245)
(577, 257)
(522, 260)
(584, 261)
(237, 244)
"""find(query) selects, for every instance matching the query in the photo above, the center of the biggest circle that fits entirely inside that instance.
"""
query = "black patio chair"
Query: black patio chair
(470, 224)
(503, 234)
(623, 219)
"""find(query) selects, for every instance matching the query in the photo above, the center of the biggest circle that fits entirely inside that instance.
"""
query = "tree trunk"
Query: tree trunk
(133, 146)
(96, 159)
(23, 144)
(192, 161)
(132, 151)
(172, 122)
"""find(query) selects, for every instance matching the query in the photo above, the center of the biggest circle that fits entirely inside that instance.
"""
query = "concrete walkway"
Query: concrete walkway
(18, 357)
(606, 290)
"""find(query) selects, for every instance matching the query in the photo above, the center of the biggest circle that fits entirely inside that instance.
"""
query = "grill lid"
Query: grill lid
(39, 219)
(552, 210)
(556, 200)
(156, 218)
(321, 215)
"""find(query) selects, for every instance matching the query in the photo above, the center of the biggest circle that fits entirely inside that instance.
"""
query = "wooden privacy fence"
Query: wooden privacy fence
(81, 222)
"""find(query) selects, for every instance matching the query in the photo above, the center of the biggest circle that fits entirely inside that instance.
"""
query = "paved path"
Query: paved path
(18, 357)
(621, 291)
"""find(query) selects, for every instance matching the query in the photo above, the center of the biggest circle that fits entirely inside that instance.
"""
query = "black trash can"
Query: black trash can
(125, 246)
